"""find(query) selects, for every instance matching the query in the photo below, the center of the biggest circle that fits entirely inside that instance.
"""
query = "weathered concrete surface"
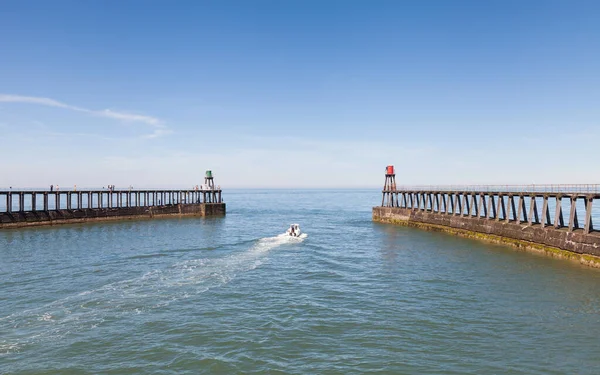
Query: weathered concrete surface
(576, 245)
(36, 218)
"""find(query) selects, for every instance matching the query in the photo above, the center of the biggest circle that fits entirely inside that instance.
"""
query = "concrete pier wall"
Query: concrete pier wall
(65, 216)
(575, 241)
(557, 223)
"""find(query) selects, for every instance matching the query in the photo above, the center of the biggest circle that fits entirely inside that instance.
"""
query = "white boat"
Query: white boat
(293, 230)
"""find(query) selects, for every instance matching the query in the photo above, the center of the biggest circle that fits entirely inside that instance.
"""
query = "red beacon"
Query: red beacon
(390, 195)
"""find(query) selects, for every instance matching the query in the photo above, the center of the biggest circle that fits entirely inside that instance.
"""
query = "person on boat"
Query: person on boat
(292, 232)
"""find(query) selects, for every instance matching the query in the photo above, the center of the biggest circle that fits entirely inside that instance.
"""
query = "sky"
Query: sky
(298, 94)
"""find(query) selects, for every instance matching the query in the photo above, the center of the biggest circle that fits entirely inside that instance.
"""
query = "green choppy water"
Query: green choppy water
(227, 296)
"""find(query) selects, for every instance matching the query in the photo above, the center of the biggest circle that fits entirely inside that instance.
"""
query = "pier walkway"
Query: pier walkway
(36, 207)
(558, 206)
(38, 200)
(555, 219)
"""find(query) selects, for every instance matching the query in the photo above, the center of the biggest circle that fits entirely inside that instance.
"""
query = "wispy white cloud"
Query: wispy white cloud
(35, 100)
(159, 131)
(123, 116)
(126, 116)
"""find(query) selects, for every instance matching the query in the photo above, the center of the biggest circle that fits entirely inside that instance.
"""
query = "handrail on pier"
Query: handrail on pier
(533, 206)
(532, 188)
(46, 200)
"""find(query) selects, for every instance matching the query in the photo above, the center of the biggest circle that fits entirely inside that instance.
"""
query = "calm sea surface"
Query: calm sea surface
(227, 296)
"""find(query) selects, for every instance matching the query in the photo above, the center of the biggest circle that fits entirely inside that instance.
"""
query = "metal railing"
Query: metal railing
(533, 188)
(36, 200)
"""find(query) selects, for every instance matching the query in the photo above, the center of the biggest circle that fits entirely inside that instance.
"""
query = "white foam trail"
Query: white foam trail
(154, 289)
(287, 238)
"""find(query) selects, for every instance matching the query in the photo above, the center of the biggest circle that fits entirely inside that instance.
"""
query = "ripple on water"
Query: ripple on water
(227, 295)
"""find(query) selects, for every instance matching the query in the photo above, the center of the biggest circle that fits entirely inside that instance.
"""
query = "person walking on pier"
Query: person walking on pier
(51, 188)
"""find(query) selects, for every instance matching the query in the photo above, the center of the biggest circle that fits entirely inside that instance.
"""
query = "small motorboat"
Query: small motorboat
(293, 230)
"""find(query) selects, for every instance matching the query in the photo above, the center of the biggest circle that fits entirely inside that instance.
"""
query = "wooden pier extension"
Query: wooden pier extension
(555, 219)
(31, 208)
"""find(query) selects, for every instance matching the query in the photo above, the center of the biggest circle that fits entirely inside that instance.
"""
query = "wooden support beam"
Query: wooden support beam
(444, 203)
(524, 208)
(545, 212)
(573, 223)
(558, 216)
(533, 211)
(520, 209)
(471, 206)
(482, 206)
(512, 205)
(45, 201)
(509, 206)
(458, 205)
(588, 226)
(474, 205)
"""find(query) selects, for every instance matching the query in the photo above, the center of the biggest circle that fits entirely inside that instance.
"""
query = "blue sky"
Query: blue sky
(298, 93)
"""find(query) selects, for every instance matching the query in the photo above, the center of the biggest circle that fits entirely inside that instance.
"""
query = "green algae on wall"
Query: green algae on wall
(585, 259)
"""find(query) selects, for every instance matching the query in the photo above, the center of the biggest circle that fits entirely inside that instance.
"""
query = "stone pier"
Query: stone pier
(555, 219)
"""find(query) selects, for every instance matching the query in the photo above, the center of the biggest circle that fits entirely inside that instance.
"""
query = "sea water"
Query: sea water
(228, 295)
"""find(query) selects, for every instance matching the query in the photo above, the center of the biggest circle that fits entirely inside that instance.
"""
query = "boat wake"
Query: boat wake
(158, 288)
(292, 239)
